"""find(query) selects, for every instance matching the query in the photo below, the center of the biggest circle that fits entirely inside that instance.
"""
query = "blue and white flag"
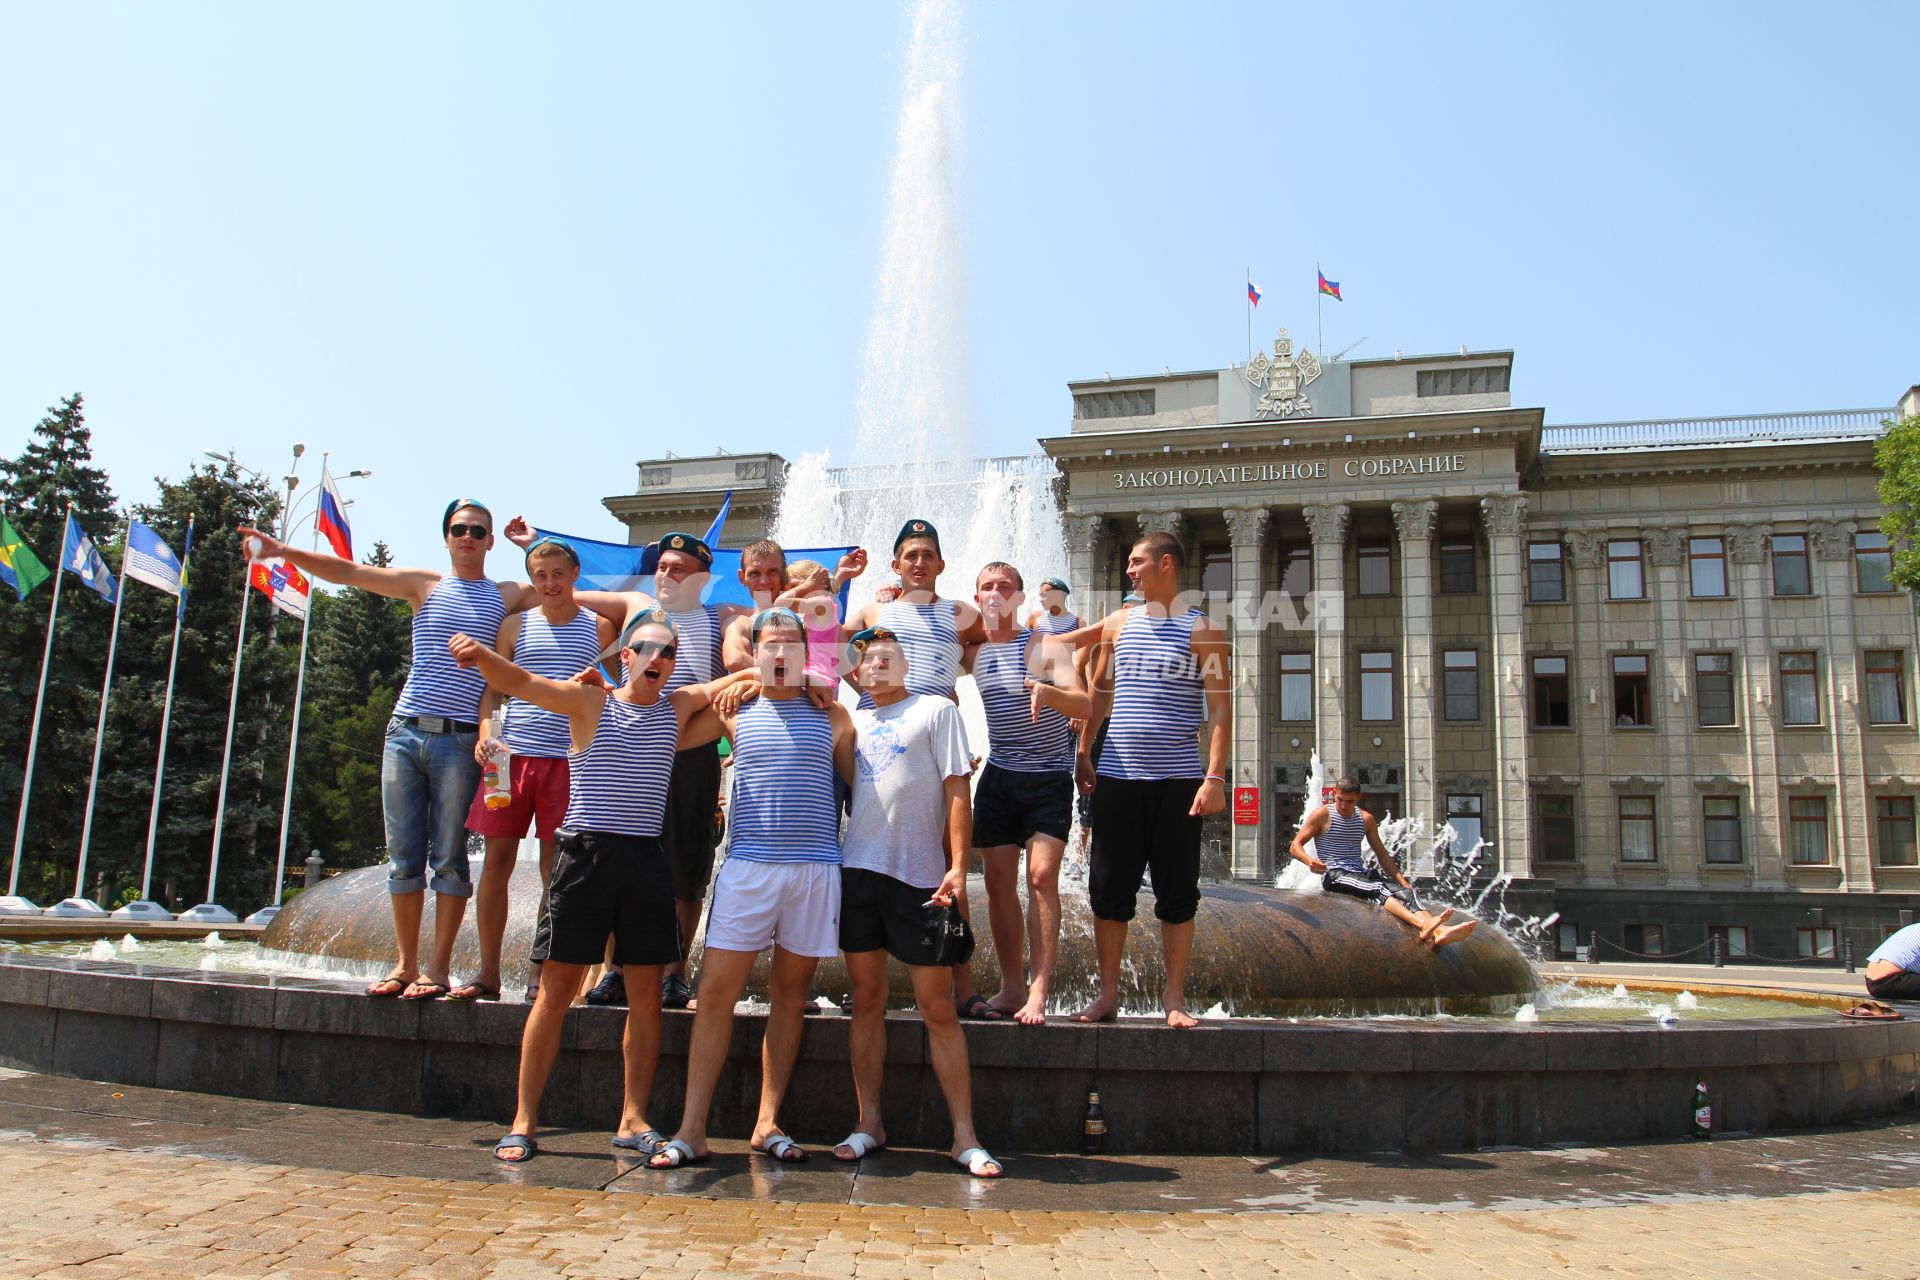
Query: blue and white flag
(151, 560)
(719, 524)
(79, 556)
(619, 566)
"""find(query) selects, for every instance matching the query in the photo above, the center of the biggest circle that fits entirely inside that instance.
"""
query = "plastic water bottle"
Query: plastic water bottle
(1093, 1127)
(1702, 1112)
(496, 775)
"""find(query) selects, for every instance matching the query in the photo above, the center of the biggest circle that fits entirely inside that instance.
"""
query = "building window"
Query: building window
(1807, 830)
(1815, 943)
(1713, 690)
(1296, 571)
(1458, 566)
(1626, 576)
(1639, 842)
(1114, 404)
(1552, 698)
(1799, 688)
(1720, 822)
(1487, 381)
(1647, 939)
(654, 477)
(1376, 569)
(1463, 815)
(1733, 939)
(1632, 692)
(1296, 686)
(1790, 576)
(1546, 573)
(1707, 566)
(1556, 828)
(745, 472)
(1461, 700)
(1886, 686)
(1376, 684)
(1566, 940)
(1893, 815)
(1872, 562)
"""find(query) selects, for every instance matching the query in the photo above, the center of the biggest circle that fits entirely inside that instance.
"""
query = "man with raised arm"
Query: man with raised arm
(904, 867)
(1031, 693)
(428, 772)
(610, 876)
(763, 572)
(933, 632)
(1336, 831)
(557, 641)
(779, 886)
(1158, 674)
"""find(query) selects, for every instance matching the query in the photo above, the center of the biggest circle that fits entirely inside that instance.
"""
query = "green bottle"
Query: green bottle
(1702, 1112)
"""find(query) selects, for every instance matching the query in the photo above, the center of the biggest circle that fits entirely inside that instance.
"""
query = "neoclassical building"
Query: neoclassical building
(1657, 666)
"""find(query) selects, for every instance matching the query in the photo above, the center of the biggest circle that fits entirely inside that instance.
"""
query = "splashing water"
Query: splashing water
(129, 943)
(1528, 1012)
(103, 950)
(1686, 1000)
(213, 940)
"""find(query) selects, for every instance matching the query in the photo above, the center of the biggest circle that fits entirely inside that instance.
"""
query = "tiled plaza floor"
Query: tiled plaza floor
(113, 1181)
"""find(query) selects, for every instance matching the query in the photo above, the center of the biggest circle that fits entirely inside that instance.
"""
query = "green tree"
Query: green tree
(1897, 455)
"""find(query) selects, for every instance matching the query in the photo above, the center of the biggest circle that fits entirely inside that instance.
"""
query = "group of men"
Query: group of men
(618, 778)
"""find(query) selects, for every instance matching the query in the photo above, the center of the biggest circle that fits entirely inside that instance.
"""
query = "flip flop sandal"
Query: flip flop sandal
(425, 991)
(1873, 1011)
(515, 1142)
(976, 1161)
(676, 1154)
(784, 1149)
(976, 1009)
(378, 989)
(473, 991)
(861, 1144)
(647, 1142)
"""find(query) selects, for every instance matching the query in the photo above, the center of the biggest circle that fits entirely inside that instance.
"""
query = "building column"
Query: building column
(1830, 543)
(1252, 857)
(1753, 701)
(1506, 519)
(1085, 536)
(1587, 681)
(1419, 684)
(1327, 523)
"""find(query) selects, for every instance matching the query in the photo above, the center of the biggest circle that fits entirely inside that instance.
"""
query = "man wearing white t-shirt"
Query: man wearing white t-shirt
(903, 866)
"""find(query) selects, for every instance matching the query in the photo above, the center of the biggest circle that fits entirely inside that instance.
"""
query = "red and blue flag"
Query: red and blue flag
(1329, 287)
(1253, 293)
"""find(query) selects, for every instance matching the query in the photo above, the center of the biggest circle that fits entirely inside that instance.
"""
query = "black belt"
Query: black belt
(440, 724)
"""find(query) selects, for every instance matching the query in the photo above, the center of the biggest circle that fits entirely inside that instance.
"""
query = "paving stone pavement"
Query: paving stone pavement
(112, 1181)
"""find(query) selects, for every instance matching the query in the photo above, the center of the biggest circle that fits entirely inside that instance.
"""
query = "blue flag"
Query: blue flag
(79, 556)
(619, 566)
(720, 521)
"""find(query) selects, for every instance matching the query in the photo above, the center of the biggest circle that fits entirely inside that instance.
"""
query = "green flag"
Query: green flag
(19, 567)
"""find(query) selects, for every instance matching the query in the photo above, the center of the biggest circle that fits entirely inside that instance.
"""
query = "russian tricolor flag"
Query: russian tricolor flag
(1253, 293)
(333, 519)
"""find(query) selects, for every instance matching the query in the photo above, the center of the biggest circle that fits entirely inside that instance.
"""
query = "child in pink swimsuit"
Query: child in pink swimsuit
(810, 593)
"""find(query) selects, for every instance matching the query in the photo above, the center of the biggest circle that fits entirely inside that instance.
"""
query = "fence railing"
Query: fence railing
(1748, 429)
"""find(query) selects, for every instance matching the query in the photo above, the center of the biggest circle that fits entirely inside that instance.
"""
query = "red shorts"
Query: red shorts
(539, 800)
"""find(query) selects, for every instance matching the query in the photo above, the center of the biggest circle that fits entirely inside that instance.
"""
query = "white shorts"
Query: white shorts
(792, 905)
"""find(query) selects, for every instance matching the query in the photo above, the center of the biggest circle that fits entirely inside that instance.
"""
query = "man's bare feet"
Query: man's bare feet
(1034, 1012)
(1434, 922)
(1453, 933)
(1104, 1009)
(1179, 1018)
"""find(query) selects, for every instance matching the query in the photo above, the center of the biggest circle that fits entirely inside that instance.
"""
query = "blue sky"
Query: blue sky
(510, 250)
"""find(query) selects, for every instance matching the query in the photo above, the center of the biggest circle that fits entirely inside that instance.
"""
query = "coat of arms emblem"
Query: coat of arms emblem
(1283, 380)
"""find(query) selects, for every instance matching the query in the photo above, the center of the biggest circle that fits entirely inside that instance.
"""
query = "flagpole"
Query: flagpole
(209, 910)
(14, 903)
(293, 739)
(99, 741)
(1319, 332)
(1249, 306)
(166, 715)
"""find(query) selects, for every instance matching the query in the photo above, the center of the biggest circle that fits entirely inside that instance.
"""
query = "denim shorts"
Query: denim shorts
(427, 781)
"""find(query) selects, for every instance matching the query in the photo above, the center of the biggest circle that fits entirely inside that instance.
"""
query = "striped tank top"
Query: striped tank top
(558, 653)
(435, 687)
(784, 807)
(1048, 625)
(1014, 741)
(698, 647)
(930, 637)
(1339, 845)
(619, 783)
(1159, 700)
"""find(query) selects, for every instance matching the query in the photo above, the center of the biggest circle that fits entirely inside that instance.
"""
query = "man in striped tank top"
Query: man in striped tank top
(1030, 692)
(428, 772)
(1336, 831)
(933, 632)
(763, 572)
(610, 876)
(558, 640)
(1160, 672)
(1053, 618)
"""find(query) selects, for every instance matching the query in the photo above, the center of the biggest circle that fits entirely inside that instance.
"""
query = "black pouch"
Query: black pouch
(949, 937)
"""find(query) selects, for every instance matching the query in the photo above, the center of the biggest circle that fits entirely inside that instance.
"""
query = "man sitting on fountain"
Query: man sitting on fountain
(610, 876)
(905, 865)
(1336, 831)
(1893, 970)
(1030, 692)
(780, 884)
(1162, 675)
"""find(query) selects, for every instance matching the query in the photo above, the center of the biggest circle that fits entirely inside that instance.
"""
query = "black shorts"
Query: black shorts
(1143, 826)
(1895, 986)
(693, 797)
(1010, 806)
(877, 911)
(609, 884)
(1370, 885)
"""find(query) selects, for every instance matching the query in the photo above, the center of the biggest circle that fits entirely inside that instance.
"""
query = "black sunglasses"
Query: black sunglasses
(477, 532)
(645, 649)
